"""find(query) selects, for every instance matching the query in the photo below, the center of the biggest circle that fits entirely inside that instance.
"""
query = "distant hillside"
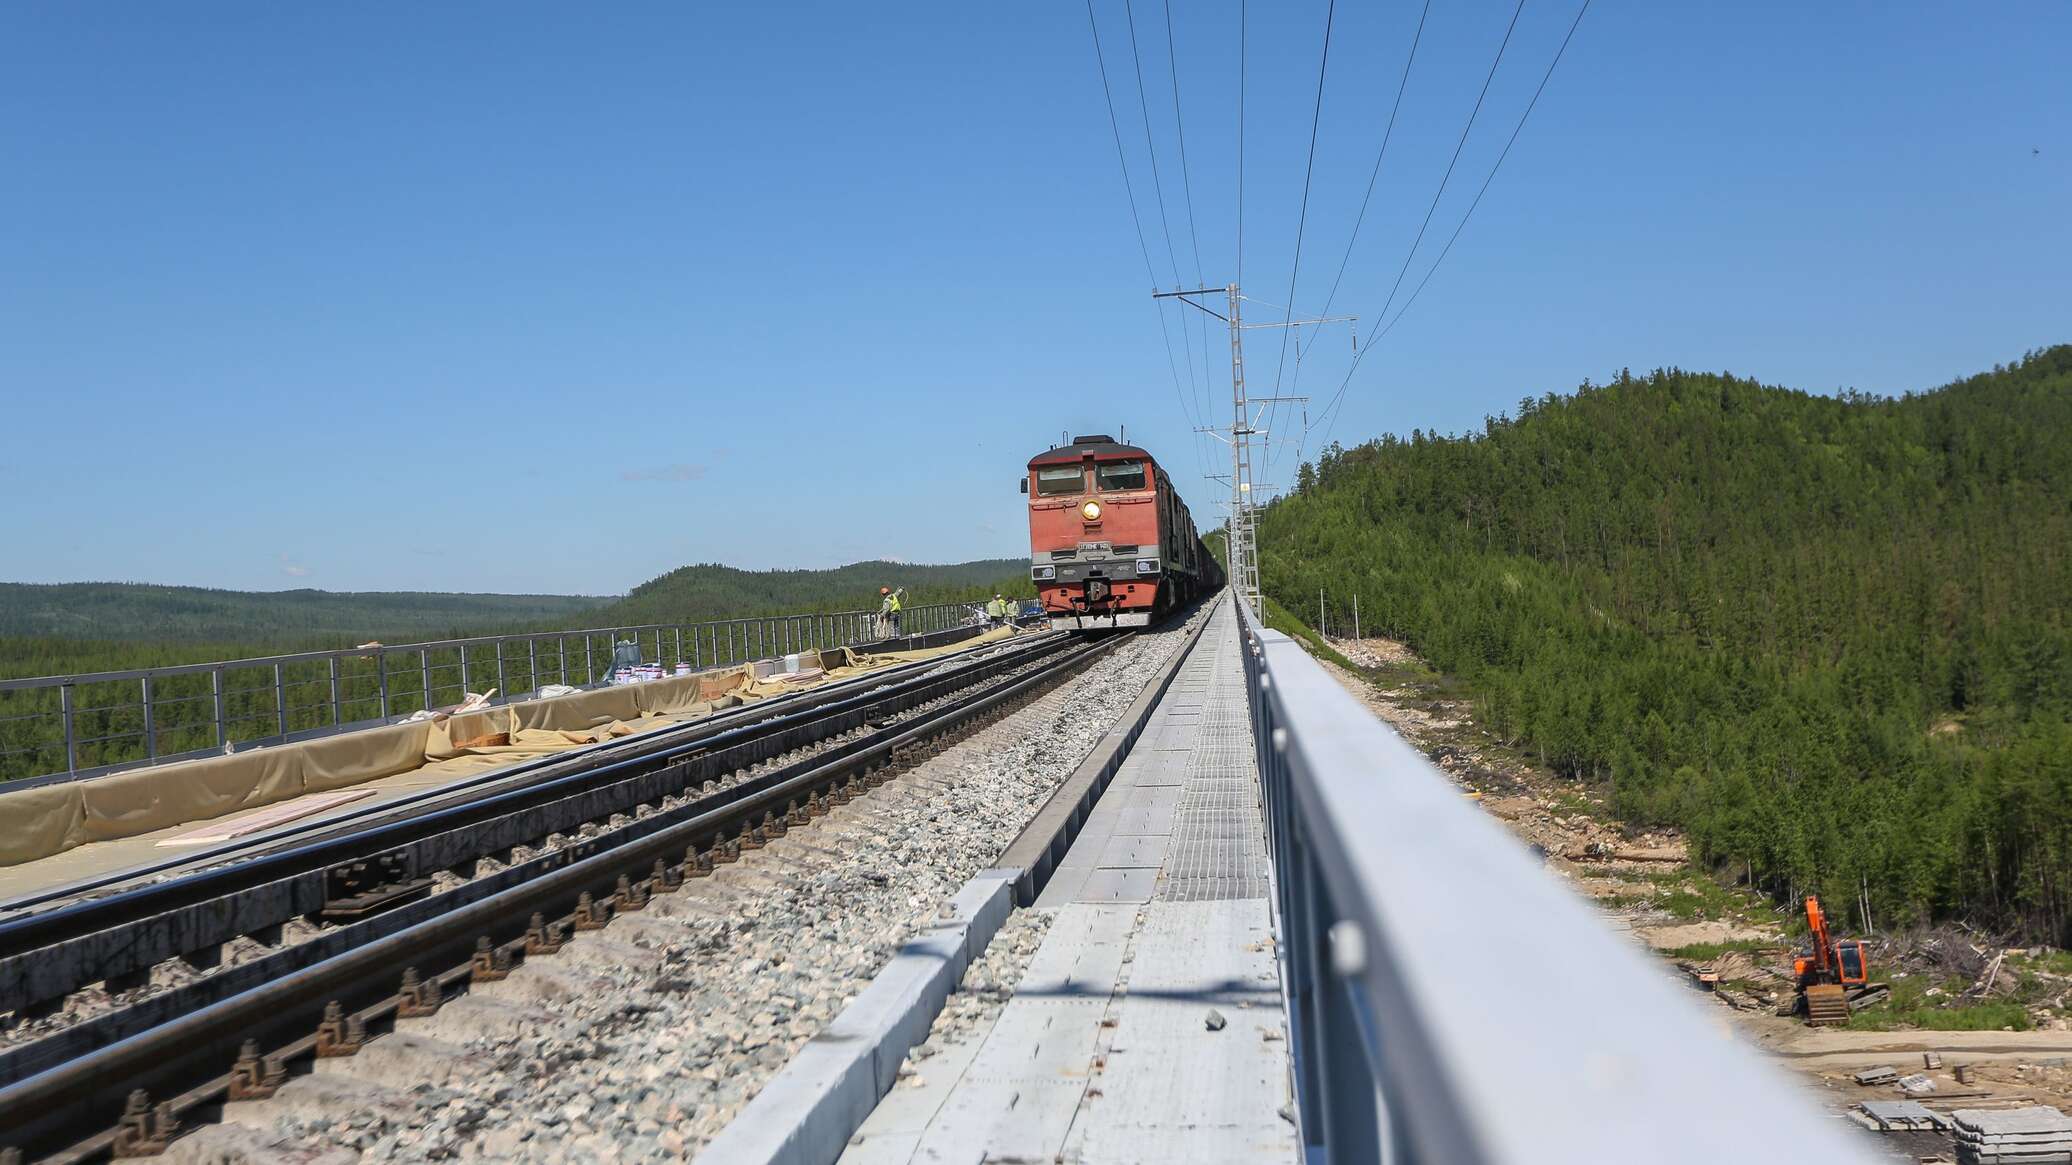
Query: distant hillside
(146, 611)
(709, 590)
(1830, 636)
(79, 627)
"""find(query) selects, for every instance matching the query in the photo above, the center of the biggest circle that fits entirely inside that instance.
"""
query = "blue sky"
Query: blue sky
(521, 298)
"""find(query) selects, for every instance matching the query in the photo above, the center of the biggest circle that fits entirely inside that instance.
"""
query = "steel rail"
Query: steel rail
(82, 1108)
(55, 952)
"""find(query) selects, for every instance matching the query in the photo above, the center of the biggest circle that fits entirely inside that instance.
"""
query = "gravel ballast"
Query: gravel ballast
(640, 1041)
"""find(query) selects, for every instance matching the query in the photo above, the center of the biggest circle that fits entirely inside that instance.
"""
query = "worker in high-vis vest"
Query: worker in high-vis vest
(996, 611)
(888, 611)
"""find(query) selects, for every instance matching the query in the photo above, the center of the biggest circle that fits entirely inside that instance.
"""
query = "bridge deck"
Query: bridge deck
(1109, 1050)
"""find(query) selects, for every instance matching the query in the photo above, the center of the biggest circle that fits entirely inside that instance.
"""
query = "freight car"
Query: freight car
(1110, 542)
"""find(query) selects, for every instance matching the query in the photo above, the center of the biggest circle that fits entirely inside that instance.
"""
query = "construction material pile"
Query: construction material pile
(2017, 1136)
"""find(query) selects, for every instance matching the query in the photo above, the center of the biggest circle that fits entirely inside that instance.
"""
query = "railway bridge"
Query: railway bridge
(1007, 895)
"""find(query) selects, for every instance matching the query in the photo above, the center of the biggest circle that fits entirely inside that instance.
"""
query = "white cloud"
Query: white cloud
(677, 472)
(291, 568)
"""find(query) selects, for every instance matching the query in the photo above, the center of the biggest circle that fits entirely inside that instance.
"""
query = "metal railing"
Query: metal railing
(1449, 1001)
(63, 727)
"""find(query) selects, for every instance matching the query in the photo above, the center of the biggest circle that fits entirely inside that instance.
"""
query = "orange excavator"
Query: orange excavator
(1835, 978)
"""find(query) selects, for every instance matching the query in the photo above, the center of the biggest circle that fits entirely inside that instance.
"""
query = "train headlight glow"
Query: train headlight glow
(1042, 573)
(1092, 511)
(1146, 566)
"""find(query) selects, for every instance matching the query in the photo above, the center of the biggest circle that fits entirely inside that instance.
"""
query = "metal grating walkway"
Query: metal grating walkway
(1218, 847)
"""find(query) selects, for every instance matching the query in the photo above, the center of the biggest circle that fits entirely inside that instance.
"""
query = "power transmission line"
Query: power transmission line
(1390, 325)
(1241, 142)
(1187, 187)
(1436, 196)
(1136, 220)
(1491, 177)
(1387, 135)
(1302, 220)
(1157, 186)
(1303, 344)
(1165, 225)
(1448, 176)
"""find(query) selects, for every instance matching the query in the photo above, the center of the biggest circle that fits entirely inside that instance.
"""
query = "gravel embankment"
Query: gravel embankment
(640, 1041)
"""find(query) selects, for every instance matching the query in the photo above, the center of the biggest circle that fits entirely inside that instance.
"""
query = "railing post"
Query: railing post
(502, 686)
(280, 700)
(424, 668)
(381, 677)
(71, 730)
(337, 697)
(216, 691)
(150, 722)
(464, 685)
(589, 659)
(679, 647)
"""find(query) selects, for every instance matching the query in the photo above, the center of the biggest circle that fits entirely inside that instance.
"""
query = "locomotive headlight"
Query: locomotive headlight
(1042, 573)
(1146, 566)
(1092, 511)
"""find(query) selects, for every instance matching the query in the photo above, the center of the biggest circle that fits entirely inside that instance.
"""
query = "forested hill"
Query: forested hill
(730, 591)
(141, 610)
(1827, 635)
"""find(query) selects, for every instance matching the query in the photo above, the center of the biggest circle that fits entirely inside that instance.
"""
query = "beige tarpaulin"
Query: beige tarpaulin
(141, 800)
(36, 823)
(352, 758)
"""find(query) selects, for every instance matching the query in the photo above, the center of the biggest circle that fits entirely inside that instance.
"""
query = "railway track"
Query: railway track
(522, 866)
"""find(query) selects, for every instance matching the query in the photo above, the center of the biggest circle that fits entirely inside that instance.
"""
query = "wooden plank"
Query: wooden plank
(225, 829)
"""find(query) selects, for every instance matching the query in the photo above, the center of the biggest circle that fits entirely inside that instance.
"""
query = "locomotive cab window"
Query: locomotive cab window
(1052, 480)
(1120, 475)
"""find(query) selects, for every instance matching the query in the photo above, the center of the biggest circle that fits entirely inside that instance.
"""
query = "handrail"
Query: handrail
(1450, 1002)
(66, 726)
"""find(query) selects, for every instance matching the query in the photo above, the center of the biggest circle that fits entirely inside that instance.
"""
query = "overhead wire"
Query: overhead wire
(1165, 224)
(1517, 129)
(1302, 219)
(1241, 143)
(1129, 190)
(1491, 177)
(1187, 186)
(1129, 12)
(1360, 219)
(1430, 210)
(1447, 177)
(1395, 108)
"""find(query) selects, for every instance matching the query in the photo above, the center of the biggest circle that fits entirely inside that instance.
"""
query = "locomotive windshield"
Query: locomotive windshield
(1120, 475)
(1052, 480)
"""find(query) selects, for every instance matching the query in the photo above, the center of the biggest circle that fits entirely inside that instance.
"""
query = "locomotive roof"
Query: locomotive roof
(1099, 446)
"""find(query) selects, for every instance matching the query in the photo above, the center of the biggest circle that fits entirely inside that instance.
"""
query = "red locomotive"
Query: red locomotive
(1110, 542)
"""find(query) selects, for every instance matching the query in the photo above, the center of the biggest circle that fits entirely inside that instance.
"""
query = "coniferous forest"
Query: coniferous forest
(1830, 636)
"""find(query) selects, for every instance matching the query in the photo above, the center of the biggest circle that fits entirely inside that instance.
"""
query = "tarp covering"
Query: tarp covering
(141, 800)
(351, 758)
(38, 822)
(50, 819)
